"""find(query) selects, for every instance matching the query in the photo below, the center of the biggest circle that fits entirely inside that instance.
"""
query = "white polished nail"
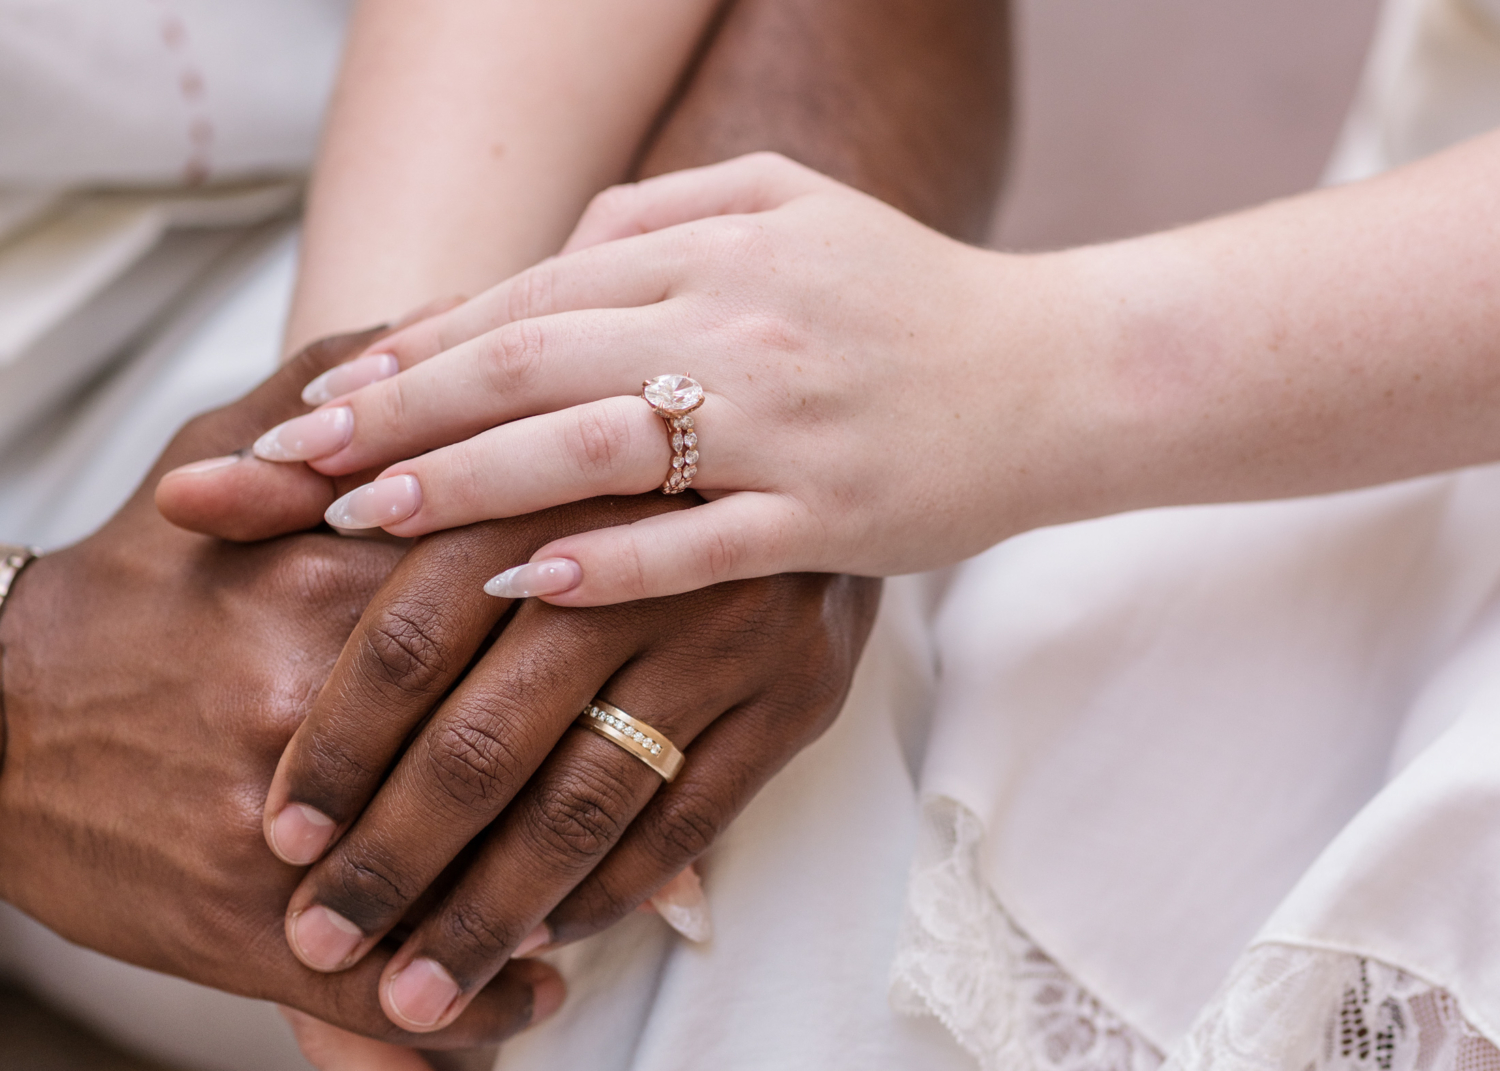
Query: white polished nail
(684, 907)
(346, 378)
(207, 465)
(307, 437)
(550, 576)
(378, 504)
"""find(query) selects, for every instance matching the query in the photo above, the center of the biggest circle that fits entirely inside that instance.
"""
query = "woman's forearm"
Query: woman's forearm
(1343, 338)
(465, 138)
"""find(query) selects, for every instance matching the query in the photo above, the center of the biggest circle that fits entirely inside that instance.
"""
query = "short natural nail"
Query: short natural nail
(307, 437)
(346, 378)
(324, 939)
(550, 576)
(206, 465)
(684, 907)
(300, 834)
(533, 941)
(384, 502)
(421, 992)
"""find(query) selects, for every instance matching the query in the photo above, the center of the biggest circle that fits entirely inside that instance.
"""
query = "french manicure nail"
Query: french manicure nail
(684, 907)
(550, 576)
(206, 465)
(324, 939)
(534, 940)
(346, 378)
(421, 992)
(306, 437)
(299, 834)
(384, 502)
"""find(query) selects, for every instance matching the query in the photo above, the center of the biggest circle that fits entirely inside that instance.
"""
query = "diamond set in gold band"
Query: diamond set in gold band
(634, 736)
(673, 398)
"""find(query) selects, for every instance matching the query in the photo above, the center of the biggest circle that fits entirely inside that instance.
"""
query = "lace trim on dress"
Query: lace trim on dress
(962, 960)
(1283, 1008)
(1373, 1017)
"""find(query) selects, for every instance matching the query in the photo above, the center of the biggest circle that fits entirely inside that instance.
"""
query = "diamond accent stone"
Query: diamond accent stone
(678, 462)
(673, 394)
(691, 457)
(677, 440)
(656, 749)
(689, 472)
(690, 440)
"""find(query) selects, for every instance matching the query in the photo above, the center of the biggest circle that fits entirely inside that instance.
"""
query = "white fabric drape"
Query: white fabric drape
(1211, 784)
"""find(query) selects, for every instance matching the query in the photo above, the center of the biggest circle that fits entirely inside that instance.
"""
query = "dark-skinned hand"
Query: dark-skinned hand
(152, 679)
(430, 740)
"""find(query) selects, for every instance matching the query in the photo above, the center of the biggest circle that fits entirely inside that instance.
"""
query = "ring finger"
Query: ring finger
(556, 831)
(617, 446)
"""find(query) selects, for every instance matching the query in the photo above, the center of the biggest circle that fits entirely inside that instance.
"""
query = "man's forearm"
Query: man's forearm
(905, 99)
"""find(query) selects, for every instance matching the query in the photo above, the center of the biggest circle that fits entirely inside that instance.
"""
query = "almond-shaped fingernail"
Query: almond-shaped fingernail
(420, 993)
(550, 576)
(206, 465)
(300, 834)
(307, 437)
(375, 505)
(684, 907)
(534, 940)
(346, 378)
(323, 939)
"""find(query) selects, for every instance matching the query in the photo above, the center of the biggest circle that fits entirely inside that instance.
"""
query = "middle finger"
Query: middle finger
(519, 369)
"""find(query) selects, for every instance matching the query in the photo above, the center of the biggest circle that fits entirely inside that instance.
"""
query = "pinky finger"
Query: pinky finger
(745, 534)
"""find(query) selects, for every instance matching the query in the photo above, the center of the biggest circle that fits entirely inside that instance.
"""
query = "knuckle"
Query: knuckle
(581, 816)
(737, 239)
(513, 357)
(531, 294)
(406, 648)
(721, 550)
(480, 937)
(599, 438)
(683, 828)
(365, 888)
(473, 763)
(613, 203)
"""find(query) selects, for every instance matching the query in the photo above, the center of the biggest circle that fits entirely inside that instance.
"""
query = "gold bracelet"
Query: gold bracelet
(13, 558)
(634, 736)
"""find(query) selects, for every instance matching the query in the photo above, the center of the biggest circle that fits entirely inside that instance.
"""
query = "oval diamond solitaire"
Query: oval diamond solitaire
(673, 395)
(673, 398)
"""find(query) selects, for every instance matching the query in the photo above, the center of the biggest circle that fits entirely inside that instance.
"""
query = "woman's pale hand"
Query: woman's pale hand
(865, 413)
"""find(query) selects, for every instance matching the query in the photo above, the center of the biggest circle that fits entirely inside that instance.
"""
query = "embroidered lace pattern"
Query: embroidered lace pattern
(962, 960)
(1283, 1008)
(1374, 1018)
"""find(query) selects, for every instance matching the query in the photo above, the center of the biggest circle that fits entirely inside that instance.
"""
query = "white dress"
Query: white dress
(1216, 786)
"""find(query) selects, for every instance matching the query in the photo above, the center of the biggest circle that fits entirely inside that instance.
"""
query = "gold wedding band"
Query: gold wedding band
(673, 398)
(634, 736)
